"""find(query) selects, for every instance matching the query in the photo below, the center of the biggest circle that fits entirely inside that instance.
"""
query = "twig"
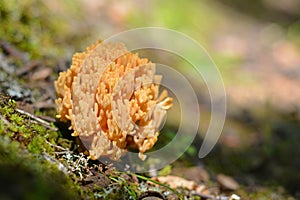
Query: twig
(37, 119)
(58, 147)
(28, 67)
(32, 116)
(12, 51)
(60, 166)
(207, 196)
(61, 152)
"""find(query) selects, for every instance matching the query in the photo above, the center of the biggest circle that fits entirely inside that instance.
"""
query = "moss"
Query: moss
(21, 128)
(65, 143)
(120, 189)
(263, 193)
(24, 176)
(7, 106)
(2, 127)
(31, 24)
(23, 167)
(17, 119)
(37, 145)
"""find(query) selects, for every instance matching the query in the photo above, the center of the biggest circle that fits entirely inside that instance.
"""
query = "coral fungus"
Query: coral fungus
(111, 96)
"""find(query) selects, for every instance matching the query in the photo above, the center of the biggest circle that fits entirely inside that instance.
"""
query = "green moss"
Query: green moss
(7, 106)
(120, 189)
(24, 176)
(37, 145)
(65, 143)
(23, 167)
(31, 24)
(17, 119)
(2, 127)
(38, 128)
(21, 128)
(165, 171)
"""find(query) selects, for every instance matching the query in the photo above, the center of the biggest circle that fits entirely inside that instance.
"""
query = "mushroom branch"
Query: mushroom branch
(111, 97)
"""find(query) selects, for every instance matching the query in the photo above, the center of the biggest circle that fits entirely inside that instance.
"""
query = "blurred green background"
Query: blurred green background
(255, 44)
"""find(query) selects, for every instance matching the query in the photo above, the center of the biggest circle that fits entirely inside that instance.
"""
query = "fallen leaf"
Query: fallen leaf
(226, 182)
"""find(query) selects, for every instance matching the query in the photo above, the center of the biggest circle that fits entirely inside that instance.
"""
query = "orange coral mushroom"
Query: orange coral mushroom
(110, 95)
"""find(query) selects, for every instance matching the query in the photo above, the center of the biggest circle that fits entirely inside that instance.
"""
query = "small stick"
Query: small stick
(28, 67)
(12, 51)
(206, 196)
(58, 147)
(60, 166)
(37, 119)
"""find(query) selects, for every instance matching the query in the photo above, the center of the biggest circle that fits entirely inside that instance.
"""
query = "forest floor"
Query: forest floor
(255, 157)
